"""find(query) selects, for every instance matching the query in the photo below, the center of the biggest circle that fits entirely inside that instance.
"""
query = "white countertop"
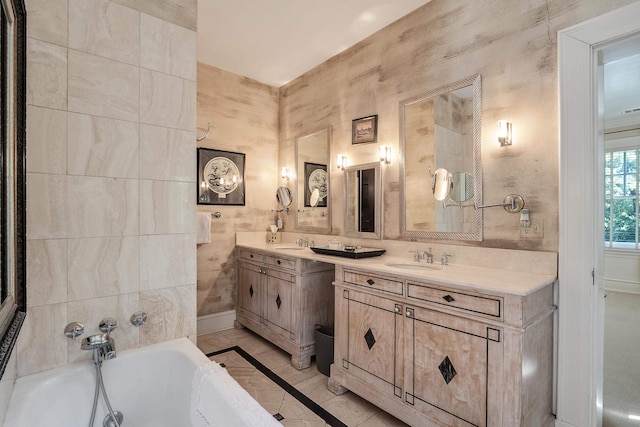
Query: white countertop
(461, 276)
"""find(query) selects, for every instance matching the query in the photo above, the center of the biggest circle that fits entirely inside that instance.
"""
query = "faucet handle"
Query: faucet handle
(108, 324)
(73, 330)
(445, 258)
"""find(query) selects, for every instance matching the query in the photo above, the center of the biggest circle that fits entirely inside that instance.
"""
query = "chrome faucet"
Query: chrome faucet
(428, 255)
(445, 258)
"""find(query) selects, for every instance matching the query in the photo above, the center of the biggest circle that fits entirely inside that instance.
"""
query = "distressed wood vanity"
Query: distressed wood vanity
(282, 297)
(432, 353)
(431, 345)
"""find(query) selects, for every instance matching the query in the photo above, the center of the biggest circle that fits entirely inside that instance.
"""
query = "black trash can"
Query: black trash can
(323, 336)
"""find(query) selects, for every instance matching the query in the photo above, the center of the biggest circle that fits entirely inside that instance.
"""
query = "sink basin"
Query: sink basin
(289, 248)
(413, 266)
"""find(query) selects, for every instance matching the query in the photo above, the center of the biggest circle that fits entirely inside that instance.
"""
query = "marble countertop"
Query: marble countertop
(460, 276)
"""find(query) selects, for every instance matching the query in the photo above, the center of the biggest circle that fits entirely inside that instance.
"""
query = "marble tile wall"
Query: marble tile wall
(244, 118)
(110, 173)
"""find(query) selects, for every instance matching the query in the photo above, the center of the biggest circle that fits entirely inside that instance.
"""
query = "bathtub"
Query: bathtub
(151, 386)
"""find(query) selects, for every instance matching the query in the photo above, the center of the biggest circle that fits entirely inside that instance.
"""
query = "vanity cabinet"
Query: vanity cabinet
(282, 298)
(442, 356)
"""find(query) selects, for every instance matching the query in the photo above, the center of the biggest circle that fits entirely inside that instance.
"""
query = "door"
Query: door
(251, 289)
(279, 303)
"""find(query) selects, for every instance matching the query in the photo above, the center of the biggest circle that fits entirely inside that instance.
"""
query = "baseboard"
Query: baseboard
(216, 322)
(563, 424)
(622, 286)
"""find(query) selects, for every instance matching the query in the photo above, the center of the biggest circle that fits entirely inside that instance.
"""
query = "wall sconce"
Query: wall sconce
(385, 154)
(504, 133)
(342, 161)
(285, 174)
(524, 218)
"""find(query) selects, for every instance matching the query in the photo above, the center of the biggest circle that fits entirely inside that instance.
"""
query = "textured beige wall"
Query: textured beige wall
(508, 43)
(111, 94)
(244, 118)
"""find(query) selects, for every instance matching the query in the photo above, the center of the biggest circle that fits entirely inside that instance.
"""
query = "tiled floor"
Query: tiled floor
(349, 408)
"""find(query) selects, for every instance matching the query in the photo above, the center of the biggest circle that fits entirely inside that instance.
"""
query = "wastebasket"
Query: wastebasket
(323, 336)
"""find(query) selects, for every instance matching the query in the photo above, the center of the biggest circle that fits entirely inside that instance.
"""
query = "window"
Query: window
(621, 198)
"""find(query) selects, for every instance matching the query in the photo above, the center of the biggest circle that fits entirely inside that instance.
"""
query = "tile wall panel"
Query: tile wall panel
(103, 87)
(103, 266)
(100, 146)
(167, 154)
(84, 246)
(106, 29)
(47, 76)
(47, 148)
(167, 47)
(166, 100)
(47, 271)
(48, 20)
(102, 206)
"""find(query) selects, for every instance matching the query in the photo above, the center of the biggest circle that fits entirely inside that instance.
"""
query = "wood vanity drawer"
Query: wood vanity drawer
(373, 282)
(287, 263)
(468, 301)
(253, 256)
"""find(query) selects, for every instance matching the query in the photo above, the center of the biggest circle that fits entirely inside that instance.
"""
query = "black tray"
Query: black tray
(348, 252)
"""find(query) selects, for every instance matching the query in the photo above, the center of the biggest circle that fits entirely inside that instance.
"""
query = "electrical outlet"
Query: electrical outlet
(534, 231)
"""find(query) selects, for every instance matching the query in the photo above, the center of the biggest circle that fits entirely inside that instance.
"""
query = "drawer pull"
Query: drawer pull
(371, 282)
(279, 262)
(448, 298)
(251, 256)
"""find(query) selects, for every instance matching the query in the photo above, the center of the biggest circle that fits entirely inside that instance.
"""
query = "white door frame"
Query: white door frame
(580, 330)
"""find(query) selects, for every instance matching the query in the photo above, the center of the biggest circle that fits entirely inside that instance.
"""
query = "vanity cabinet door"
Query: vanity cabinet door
(251, 290)
(449, 368)
(372, 329)
(279, 303)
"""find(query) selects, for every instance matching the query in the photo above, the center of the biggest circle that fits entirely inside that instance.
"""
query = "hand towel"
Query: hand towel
(203, 233)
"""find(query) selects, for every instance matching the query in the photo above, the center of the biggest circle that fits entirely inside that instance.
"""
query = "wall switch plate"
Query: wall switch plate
(535, 230)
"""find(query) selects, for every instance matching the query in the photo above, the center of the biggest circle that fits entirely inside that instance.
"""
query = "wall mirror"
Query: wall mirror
(313, 210)
(13, 303)
(363, 201)
(440, 129)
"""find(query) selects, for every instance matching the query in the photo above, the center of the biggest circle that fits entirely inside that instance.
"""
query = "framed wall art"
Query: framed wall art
(220, 177)
(364, 130)
(315, 176)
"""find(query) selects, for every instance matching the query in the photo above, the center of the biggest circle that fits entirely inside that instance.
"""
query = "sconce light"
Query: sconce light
(285, 173)
(524, 218)
(342, 161)
(504, 133)
(385, 154)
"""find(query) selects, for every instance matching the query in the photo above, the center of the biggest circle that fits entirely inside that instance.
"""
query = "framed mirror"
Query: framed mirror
(13, 302)
(313, 210)
(363, 201)
(440, 129)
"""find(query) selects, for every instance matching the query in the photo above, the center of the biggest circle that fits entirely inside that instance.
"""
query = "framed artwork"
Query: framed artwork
(315, 176)
(364, 130)
(220, 177)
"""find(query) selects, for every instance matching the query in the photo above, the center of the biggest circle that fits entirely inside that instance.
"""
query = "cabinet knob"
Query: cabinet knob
(397, 309)
(409, 312)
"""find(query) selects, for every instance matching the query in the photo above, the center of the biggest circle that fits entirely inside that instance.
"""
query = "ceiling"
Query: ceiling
(275, 41)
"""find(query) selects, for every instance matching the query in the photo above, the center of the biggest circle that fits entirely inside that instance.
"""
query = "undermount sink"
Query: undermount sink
(289, 248)
(413, 266)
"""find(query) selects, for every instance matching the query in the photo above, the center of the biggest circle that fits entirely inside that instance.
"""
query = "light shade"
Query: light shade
(341, 161)
(285, 173)
(504, 133)
(385, 154)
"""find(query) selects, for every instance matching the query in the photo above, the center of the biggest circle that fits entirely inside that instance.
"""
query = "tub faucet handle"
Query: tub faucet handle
(108, 324)
(73, 330)
(138, 318)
